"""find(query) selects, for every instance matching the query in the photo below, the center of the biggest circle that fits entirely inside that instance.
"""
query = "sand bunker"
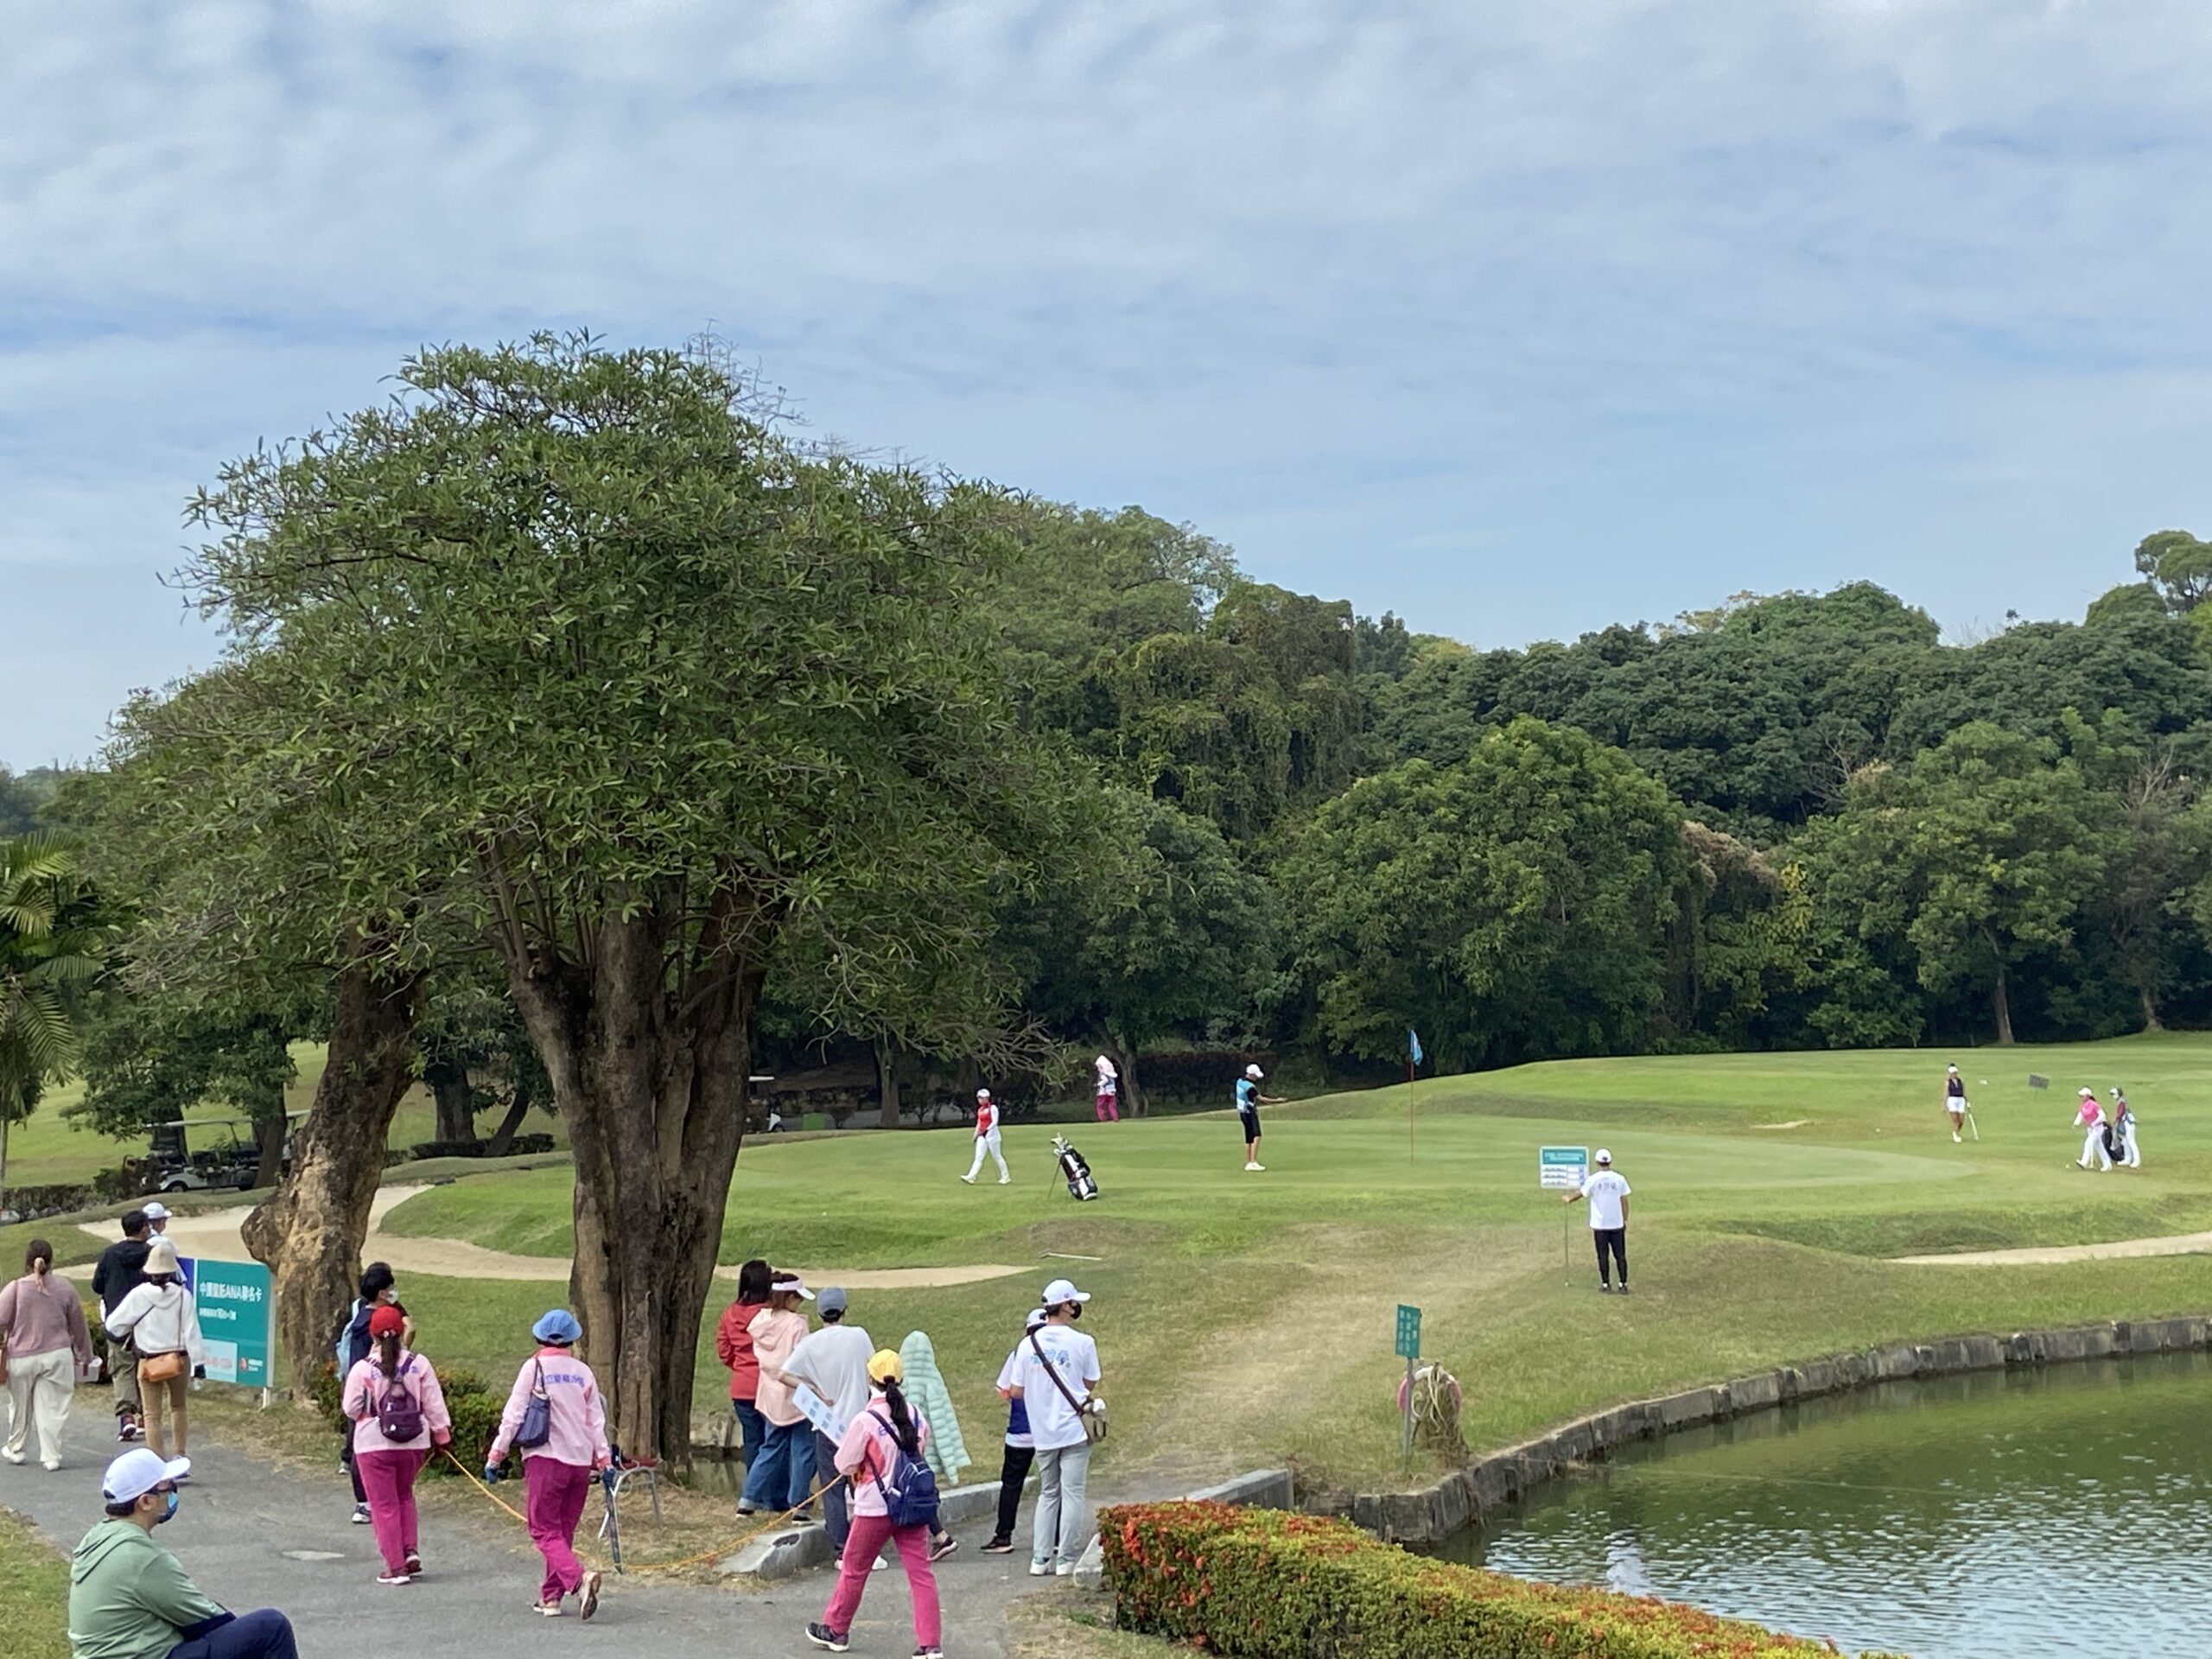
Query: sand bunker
(2118, 1249)
(214, 1234)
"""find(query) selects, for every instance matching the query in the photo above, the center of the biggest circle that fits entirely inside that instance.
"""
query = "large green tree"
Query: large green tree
(602, 662)
(1513, 904)
(56, 932)
(1170, 936)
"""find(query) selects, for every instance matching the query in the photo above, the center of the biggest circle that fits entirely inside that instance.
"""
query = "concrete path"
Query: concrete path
(2118, 1249)
(214, 1234)
(252, 1536)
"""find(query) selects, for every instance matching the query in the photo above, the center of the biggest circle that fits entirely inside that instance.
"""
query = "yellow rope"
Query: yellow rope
(715, 1553)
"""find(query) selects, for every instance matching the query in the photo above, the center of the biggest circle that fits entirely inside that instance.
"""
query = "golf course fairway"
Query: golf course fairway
(1246, 1318)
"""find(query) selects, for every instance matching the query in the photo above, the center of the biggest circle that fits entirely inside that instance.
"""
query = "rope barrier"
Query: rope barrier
(715, 1553)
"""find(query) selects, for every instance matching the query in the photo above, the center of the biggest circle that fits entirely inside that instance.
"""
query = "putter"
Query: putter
(1972, 1127)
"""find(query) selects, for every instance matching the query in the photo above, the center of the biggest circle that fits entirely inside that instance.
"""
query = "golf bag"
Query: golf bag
(1083, 1186)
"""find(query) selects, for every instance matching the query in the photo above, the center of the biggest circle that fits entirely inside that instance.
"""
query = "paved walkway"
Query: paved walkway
(2044, 1255)
(253, 1535)
(215, 1234)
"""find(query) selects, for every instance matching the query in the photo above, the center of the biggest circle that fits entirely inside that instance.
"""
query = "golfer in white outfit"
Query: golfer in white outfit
(2130, 1154)
(987, 1139)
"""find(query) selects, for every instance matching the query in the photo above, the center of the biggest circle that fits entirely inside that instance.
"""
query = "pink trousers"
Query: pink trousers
(556, 1492)
(389, 1479)
(870, 1533)
(1109, 1109)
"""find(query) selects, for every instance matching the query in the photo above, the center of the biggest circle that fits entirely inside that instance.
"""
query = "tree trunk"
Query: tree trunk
(269, 1144)
(309, 1231)
(2003, 1007)
(2151, 1021)
(649, 1075)
(886, 1083)
(448, 1084)
(5, 1125)
(504, 1136)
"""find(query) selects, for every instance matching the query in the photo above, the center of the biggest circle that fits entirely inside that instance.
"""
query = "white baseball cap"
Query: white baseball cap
(1061, 1291)
(982, 1094)
(1254, 1073)
(137, 1471)
(2089, 1094)
(1604, 1156)
(154, 1210)
(1037, 1317)
(1950, 1068)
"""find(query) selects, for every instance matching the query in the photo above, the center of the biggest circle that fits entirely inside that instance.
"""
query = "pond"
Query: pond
(2060, 1511)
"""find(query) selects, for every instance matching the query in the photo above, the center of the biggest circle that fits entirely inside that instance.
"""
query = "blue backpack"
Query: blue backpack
(910, 1490)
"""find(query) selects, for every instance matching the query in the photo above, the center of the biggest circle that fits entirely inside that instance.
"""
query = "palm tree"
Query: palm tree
(53, 938)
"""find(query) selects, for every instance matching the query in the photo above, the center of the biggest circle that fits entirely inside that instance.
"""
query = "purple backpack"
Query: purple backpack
(399, 1413)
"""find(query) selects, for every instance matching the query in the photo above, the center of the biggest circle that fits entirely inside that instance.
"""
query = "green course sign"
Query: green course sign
(1562, 1167)
(1408, 1332)
(235, 1320)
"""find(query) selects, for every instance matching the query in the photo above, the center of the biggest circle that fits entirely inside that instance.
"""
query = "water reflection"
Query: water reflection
(2051, 1513)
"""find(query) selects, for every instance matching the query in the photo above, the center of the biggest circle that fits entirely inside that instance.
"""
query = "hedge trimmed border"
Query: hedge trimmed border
(1488, 1482)
(1261, 1583)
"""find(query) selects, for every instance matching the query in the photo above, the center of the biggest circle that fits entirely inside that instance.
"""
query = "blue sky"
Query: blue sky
(1517, 319)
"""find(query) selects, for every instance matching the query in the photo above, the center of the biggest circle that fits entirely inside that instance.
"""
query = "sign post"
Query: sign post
(1409, 1350)
(234, 1304)
(1563, 1169)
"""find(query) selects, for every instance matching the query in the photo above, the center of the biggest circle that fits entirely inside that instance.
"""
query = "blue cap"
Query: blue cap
(558, 1325)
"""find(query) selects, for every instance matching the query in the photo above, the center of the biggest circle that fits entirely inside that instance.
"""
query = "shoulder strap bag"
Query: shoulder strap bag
(537, 1416)
(1089, 1411)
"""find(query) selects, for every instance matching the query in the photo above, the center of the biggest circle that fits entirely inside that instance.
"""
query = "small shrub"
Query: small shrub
(474, 1408)
(1261, 1583)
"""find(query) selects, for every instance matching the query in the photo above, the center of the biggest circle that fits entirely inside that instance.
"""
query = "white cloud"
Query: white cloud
(1402, 300)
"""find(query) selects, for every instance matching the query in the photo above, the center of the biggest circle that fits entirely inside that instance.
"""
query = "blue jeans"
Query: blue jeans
(264, 1635)
(781, 1480)
(754, 1426)
(836, 1494)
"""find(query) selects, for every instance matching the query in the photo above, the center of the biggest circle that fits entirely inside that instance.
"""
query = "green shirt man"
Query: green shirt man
(128, 1598)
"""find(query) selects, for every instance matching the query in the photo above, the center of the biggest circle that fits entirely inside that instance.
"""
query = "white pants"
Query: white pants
(39, 1387)
(2132, 1156)
(2092, 1144)
(988, 1143)
(1061, 1524)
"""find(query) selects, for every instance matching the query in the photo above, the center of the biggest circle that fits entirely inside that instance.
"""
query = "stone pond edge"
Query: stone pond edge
(1492, 1481)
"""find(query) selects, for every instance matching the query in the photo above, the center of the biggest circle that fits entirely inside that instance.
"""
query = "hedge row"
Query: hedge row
(1262, 1584)
(474, 1407)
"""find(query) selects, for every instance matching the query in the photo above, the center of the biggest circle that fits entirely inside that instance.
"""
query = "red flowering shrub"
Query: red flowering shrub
(1262, 1584)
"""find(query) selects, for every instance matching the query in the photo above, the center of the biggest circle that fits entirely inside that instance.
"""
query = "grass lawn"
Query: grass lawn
(1247, 1318)
(34, 1594)
(49, 1150)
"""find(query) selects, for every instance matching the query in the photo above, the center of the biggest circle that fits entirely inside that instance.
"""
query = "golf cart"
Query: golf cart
(232, 1161)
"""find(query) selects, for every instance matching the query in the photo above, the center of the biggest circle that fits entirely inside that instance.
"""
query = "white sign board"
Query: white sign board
(1562, 1168)
(819, 1412)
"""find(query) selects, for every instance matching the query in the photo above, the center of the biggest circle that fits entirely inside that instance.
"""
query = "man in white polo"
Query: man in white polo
(1055, 1374)
(1607, 1191)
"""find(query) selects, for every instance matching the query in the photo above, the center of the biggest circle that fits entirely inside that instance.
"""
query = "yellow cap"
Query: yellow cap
(883, 1366)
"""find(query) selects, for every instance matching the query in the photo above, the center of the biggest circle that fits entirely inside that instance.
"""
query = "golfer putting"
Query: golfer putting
(1249, 1102)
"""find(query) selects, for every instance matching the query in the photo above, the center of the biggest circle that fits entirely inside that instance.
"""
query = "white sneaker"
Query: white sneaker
(1956, 1138)
(52, 1465)
(1041, 1569)
(1064, 1570)
(1258, 1166)
(1005, 1180)
(968, 1180)
(12, 1457)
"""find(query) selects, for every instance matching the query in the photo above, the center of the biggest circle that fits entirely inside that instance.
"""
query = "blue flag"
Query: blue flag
(1413, 1039)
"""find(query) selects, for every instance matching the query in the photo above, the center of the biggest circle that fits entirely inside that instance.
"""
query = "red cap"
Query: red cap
(387, 1321)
